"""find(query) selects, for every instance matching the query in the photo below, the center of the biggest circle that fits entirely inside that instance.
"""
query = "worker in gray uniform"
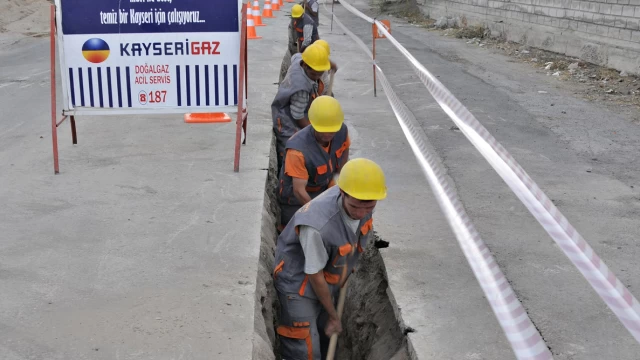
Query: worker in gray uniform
(317, 251)
(313, 8)
(297, 12)
(307, 31)
(327, 74)
(303, 31)
(314, 155)
(302, 84)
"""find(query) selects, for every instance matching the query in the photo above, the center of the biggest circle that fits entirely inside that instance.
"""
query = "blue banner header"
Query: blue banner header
(148, 16)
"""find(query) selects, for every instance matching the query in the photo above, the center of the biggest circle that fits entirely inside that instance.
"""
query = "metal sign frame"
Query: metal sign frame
(71, 113)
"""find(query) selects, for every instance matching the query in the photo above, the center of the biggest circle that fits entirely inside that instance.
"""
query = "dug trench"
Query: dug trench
(372, 327)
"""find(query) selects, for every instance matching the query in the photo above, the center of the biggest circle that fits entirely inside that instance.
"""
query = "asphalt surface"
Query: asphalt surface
(583, 155)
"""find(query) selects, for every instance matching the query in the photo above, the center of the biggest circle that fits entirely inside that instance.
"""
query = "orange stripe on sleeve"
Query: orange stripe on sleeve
(294, 165)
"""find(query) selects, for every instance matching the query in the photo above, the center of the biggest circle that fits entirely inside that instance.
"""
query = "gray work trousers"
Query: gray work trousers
(301, 329)
(281, 147)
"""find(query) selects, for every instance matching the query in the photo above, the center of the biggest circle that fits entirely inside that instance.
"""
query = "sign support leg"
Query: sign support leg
(54, 127)
(241, 119)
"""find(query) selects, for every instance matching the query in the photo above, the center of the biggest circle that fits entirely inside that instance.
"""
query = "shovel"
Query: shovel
(333, 342)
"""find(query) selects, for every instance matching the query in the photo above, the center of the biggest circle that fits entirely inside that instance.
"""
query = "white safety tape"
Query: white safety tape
(601, 279)
(356, 39)
(355, 12)
(523, 336)
(520, 331)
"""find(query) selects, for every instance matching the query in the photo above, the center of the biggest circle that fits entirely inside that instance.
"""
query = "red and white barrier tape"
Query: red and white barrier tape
(603, 280)
(520, 331)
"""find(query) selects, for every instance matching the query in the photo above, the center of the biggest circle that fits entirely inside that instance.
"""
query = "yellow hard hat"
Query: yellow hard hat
(297, 11)
(324, 44)
(316, 57)
(325, 114)
(363, 179)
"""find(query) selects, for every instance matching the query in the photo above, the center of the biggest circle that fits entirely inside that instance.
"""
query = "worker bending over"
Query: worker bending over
(327, 74)
(302, 84)
(312, 8)
(297, 11)
(306, 30)
(315, 253)
(314, 155)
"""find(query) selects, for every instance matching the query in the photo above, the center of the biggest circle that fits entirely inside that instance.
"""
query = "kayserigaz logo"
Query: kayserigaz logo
(95, 50)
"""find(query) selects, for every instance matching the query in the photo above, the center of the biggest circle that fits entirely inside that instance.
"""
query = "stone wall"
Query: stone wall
(604, 32)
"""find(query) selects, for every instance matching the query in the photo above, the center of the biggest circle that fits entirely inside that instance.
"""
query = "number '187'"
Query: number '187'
(159, 96)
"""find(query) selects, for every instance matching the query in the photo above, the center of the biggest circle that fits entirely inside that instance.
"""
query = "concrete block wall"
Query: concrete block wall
(604, 32)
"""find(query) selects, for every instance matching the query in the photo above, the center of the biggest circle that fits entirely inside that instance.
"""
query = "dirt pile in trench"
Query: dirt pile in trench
(372, 330)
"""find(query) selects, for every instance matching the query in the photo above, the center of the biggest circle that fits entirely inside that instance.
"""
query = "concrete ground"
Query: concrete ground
(145, 246)
(583, 155)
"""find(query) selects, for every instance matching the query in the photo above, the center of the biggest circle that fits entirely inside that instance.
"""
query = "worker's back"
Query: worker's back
(294, 81)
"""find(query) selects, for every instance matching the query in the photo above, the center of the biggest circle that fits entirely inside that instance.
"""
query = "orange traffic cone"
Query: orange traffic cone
(266, 11)
(257, 18)
(249, 13)
(280, 3)
(251, 30)
(290, 1)
(275, 5)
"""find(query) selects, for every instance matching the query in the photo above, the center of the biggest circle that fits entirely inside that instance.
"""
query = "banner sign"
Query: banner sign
(149, 54)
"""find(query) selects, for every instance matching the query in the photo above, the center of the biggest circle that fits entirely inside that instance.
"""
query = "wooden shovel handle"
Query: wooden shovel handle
(330, 92)
(333, 342)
